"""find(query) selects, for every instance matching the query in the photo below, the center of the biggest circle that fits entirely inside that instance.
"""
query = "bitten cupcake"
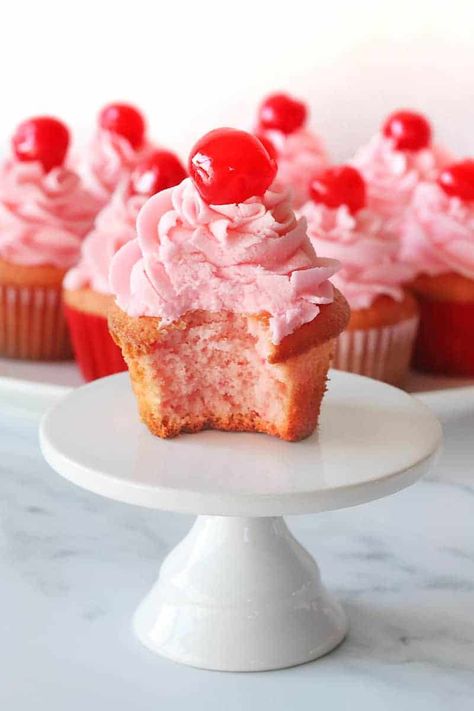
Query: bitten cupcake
(299, 152)
(87, 294)
(439, 242)
(225, 314)
(118, 145)
(379, 339)
(44, 214)
(394, 161)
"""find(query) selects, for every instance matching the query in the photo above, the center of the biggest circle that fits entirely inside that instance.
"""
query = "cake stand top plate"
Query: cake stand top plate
(372, 440)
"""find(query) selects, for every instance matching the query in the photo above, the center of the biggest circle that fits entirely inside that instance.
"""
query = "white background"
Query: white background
(196, 65)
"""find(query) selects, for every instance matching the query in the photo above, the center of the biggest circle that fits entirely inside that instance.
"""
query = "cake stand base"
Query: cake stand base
(240, 594)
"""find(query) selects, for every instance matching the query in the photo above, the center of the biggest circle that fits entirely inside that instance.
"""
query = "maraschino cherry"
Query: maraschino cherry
(408, 130)
(268, 145)
(230, 166)
(159, 170)
(457, 180)
(281, 112)
(339, 185)
(44, 139)
(124, 120)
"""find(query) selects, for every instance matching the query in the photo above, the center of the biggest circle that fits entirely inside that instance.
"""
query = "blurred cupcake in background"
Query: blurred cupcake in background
(378, 341)
(44, 214)
(87, 294)
(439, 241)
(299, 152)
(394, 161)
(119, 144)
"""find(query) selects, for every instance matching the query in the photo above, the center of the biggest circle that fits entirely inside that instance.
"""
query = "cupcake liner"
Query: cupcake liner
(32, 323)
(445, 343)
(95, 351)
(382, 353)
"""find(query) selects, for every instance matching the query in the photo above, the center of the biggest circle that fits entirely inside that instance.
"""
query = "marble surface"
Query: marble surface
(73, 567)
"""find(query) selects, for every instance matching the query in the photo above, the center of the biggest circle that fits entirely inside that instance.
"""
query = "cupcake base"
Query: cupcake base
(382, 353)
(32, 322)
(445, 344)
(379, 340)
(96, 353)
(221, 371)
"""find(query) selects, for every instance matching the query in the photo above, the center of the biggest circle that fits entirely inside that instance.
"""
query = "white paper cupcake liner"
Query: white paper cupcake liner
(32, 323)
(381, 353)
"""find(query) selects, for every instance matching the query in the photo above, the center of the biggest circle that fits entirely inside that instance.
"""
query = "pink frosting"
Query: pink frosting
(43, 216)
(367, 252)
(439, 234)
(251, 257)
(300, 156)
(115, 225)
(392, 175)
(108, 159)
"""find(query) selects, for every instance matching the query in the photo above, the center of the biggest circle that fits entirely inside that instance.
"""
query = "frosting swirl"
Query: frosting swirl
(392, 175)
(251, 257)
(300, 156)
(43, 216)
(106, 161)
(439, 234)
(367, 252)
(115, 225)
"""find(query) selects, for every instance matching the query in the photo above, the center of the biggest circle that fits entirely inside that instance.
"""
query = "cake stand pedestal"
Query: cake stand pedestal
(239, 593)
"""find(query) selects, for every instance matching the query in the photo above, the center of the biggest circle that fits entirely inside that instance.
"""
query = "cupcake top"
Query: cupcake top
(395, 160)
(115, 225)
(225, 240)
(439, 236)
(118, 145)
(342, 227)
(299, 152)
(44, 209)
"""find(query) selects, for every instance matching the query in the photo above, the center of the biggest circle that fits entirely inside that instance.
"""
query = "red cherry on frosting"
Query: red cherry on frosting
(409, 131)
(230, 166)
(268, 145)
(158, 171)
(340, 185)
(457, 180)
(281, 112)
(124, 120)
(44, 139)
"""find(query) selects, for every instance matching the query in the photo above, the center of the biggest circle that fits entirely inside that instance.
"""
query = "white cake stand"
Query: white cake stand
(239, 593)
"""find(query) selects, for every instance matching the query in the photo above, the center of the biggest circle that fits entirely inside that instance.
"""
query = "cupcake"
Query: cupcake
(87, 294)
(394, 161)
(299, 152)
(379, 338)
(439, 242)
(224, 313)
(44, 214)
(118, 145)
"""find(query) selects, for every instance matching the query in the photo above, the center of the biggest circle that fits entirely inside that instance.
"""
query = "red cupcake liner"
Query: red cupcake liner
(445, 342)
(32, 323)
(96, 353)
(382, 353)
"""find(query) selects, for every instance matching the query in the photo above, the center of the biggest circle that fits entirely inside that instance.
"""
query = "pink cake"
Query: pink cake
(45, 213)
(379, 338)
(225, 315)
(87, 293)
